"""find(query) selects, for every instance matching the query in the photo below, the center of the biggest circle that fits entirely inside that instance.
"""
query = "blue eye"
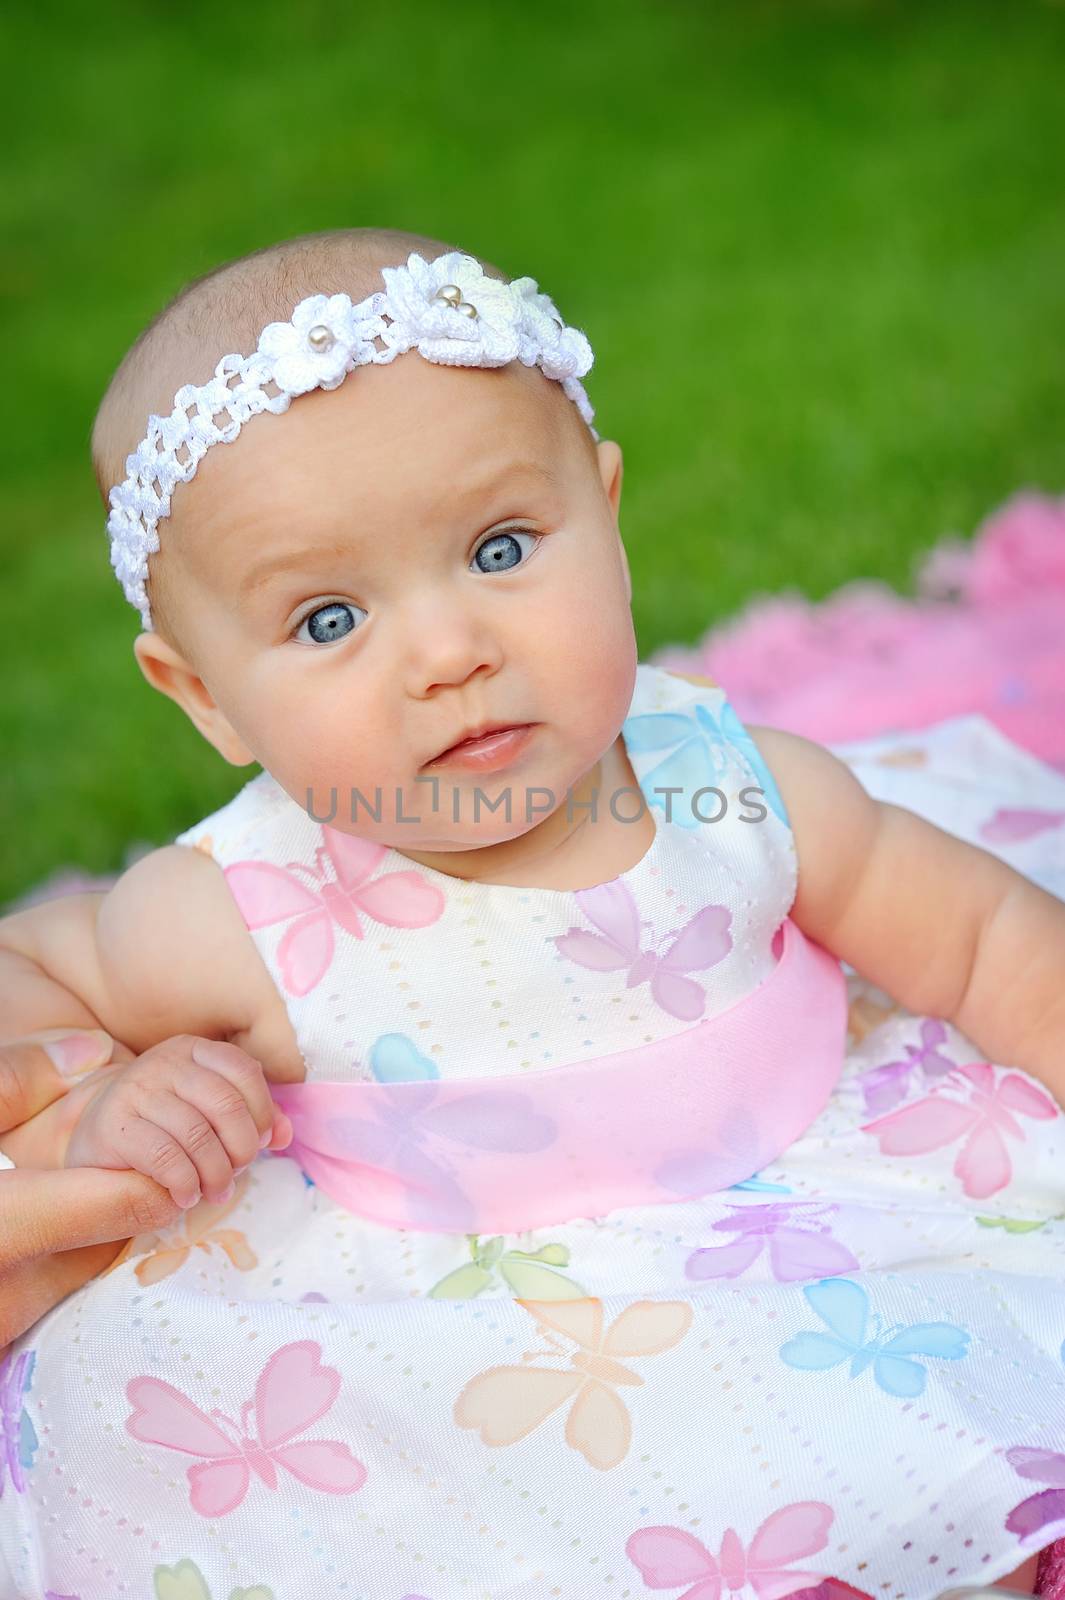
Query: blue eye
(503, 549)
(327, 623)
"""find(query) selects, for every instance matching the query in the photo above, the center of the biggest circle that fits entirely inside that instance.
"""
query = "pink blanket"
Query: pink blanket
(985, 633)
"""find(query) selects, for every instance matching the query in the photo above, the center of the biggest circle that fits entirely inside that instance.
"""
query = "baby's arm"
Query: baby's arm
(164, 953)
(943, 927)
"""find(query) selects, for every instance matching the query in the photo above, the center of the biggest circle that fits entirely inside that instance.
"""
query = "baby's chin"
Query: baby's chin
(419, 840)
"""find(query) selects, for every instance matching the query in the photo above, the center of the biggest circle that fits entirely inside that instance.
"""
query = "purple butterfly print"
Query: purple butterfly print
(484, 1119)
(796, 1252)
(1039, 1510)
(1007, 826)
(18, 1438)
(885, 1087)
(702, 942)
(690, 1171)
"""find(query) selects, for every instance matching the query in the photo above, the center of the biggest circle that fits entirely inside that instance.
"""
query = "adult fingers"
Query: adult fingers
(31, 1288)
(42, 1212)
(39, 1067)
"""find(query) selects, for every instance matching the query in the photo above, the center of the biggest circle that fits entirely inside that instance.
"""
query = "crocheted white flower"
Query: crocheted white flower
(300, 364)
(560, 352)
(440, 330)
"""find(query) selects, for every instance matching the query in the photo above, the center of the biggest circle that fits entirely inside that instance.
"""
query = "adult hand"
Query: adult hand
(60, 1228)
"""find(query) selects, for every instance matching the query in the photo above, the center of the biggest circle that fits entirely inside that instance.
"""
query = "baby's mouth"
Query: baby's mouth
(489, 750)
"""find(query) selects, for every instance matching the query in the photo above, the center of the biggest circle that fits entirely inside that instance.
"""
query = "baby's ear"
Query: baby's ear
(167, 670)
(610, 471)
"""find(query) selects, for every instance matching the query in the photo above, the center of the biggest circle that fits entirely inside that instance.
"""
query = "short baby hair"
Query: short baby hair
(224, 312)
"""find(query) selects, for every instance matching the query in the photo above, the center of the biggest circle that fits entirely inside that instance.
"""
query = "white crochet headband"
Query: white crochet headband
(448, 310)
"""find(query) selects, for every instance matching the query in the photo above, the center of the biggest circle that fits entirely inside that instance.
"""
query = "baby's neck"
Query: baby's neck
(564, 851)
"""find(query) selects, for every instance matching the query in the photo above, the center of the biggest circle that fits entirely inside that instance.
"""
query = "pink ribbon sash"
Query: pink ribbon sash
(668, 1121)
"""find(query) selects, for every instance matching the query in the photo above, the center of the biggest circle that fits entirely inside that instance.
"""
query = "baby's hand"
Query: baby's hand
(190, 1113)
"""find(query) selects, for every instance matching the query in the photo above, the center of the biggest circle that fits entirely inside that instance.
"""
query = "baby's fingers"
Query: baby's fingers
(225, 1110)
(212, 1125)
(150, 1149)
(246, 1075)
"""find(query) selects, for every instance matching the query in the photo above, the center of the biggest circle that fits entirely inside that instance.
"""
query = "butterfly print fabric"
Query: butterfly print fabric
(627, 1246)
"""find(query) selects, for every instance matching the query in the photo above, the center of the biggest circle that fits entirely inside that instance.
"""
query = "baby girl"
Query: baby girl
(539, 950)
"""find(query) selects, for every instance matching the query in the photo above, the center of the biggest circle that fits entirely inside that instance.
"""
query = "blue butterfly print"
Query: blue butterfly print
(844, 1307)
(396, 1059)
(760, 1186)
(18, 1437)
(700, 760)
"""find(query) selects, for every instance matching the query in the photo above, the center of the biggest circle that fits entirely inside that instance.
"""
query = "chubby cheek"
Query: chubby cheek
(314, 742)
(587, 659)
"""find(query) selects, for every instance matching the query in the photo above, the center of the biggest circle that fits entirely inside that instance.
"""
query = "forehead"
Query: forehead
(391, 442)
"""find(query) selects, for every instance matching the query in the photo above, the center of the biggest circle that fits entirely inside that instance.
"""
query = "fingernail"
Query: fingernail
(283, 1132)
(190, 1201)
(265, 1139)
(78, 1052)
(227, 1193)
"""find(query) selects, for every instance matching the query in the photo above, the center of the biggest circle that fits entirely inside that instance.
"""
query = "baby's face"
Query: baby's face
(362, 580)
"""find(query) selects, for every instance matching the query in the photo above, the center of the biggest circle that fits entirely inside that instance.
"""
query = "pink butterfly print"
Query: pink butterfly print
(669, 1557)
(883, 1087)
(702, 942)
(1039, 1510)
(1008, 826)
(796, 1252)
(831, 1589)
(293, 1391)
(266, 894)
(983, 1163)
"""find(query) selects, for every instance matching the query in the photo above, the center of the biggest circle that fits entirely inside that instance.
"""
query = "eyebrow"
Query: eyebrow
(290, 560)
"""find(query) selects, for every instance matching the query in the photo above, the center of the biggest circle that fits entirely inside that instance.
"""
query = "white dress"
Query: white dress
(839, 1366)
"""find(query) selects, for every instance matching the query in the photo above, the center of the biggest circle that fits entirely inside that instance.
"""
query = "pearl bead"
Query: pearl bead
(321, 338)
(449, 292)
(466, 309)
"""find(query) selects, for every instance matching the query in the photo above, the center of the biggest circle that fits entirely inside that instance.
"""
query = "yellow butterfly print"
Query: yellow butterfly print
(905, 756)
(689, 677)
(864, 1014)
(186, 1582)
(532, 1274)
(507, 1403)
(198, 1230)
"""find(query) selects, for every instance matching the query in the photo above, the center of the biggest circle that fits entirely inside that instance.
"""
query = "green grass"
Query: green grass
(818, 249)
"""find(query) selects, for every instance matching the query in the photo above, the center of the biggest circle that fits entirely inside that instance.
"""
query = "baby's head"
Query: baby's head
(348, 587)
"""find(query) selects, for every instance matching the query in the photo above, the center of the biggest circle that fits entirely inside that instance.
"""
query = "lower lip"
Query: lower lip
(487, 754)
